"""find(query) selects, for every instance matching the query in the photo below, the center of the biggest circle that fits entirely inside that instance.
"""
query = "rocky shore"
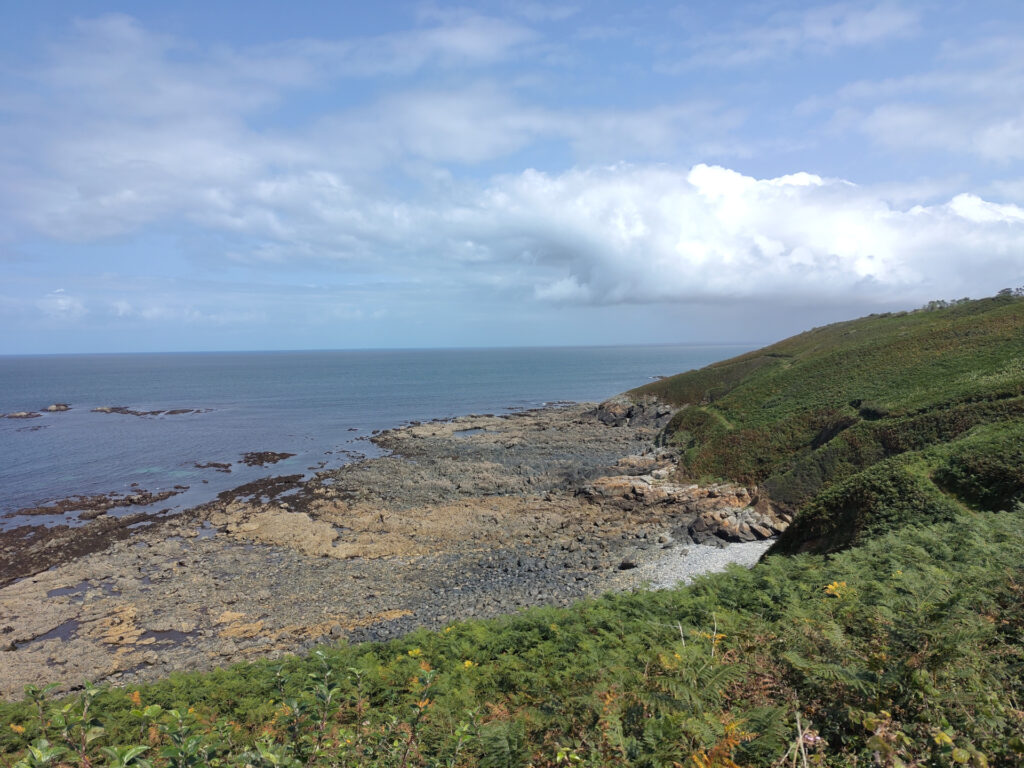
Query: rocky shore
(471, 517)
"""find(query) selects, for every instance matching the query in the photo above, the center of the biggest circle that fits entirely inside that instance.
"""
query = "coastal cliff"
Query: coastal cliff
(884, 628)
(858, 428)
(470, 517)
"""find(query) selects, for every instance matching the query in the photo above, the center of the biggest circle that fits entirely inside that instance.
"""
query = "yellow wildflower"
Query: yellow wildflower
(708, 635)
(468, 664)
(17, 728)
(416, 652)
(836, 588)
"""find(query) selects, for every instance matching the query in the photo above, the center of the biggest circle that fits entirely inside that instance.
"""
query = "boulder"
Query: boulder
(751, 523)
(624, 411)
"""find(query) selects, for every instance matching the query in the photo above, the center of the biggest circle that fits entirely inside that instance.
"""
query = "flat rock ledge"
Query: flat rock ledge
(471, 517)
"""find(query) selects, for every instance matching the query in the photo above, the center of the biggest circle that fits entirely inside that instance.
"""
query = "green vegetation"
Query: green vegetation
(864, 426)
(894, 639)
(907, 647)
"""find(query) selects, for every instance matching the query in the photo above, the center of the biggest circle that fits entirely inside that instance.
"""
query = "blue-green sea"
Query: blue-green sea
(318, 405)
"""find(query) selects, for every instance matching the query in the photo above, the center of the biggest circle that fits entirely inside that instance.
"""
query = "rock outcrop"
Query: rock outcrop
(624, 411)
(725, 511)
(469, 517)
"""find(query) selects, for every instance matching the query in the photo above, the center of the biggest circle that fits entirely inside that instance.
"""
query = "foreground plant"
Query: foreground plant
(906, 651)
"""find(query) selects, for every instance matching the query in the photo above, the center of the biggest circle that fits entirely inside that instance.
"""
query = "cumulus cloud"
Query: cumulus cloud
(130, 132)
(648, 233)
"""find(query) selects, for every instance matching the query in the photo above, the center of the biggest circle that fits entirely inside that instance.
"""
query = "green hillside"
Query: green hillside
(907, 649)
(865, 425)
(892, 638)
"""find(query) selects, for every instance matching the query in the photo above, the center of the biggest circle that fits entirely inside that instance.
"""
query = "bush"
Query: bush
(908, 648)
(988, 471)
(886, 497)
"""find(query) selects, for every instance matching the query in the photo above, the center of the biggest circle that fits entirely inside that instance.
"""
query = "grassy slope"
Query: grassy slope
(903, 649)
(908, 647)
(865, 425)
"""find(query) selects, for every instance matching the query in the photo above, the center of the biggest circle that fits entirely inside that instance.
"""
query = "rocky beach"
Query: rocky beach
(469, 517)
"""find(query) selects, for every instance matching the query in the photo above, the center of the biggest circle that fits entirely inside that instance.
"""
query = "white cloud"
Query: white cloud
(993, 137)
(482, 122)
(458, 40)
(130, 128)
(635, 234)
(969, 102)
(818, 30)
(623, 234)
(972, 208)
(60, 305)
(641, 234)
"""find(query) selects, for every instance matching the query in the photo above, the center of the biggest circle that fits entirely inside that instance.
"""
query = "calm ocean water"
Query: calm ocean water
(313, 404)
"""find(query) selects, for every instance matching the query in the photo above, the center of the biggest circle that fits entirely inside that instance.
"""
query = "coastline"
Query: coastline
(464, 518)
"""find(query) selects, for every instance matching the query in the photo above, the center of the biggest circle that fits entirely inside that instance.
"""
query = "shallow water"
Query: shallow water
(318, 405)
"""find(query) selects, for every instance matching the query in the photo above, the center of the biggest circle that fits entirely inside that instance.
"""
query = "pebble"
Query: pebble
(676, 568)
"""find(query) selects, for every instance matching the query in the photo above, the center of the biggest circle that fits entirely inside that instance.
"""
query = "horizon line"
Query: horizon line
(468, 348)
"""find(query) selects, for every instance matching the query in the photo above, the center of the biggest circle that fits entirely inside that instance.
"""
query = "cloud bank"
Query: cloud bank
(361, 177)
(649, 234)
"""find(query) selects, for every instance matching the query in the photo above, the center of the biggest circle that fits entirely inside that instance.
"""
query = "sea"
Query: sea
(320, 406)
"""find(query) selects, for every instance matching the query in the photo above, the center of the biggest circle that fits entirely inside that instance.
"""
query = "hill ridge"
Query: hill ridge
(804, 415)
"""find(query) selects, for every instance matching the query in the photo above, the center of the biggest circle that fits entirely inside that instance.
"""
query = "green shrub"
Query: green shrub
(886, 497)
(908, 647)
(987, 471)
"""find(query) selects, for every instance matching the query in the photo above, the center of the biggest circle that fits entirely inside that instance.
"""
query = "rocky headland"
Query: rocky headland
(471, 517)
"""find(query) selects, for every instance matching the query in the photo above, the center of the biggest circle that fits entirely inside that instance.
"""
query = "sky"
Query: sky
(328, 175)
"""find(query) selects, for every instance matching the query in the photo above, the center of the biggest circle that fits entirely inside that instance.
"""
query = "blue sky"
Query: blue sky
(202, 176)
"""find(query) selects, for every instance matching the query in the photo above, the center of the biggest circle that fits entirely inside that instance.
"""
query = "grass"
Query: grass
(886, 630)
(829, 422)
(907, 646)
